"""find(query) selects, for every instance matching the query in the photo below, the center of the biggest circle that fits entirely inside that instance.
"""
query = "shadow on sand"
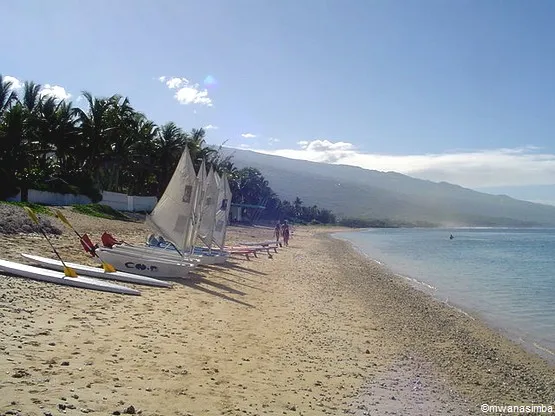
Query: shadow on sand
(235, 266)
(196, 281)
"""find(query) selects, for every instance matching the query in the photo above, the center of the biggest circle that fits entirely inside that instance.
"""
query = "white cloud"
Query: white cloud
(186, 92)
(245, 146)
(211, 127)
(248, 135)
(16, 84)
(471, 168)
(174, 83)
(55, 91)
(48, 90)
(273, 140)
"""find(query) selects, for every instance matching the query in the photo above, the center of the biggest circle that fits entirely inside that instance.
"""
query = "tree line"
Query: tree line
(50, 144)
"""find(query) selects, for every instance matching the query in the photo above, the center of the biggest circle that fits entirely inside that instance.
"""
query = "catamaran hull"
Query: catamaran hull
(145, 265)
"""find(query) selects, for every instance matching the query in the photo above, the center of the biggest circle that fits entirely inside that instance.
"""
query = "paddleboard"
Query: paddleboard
(97, 272)
(53, 276)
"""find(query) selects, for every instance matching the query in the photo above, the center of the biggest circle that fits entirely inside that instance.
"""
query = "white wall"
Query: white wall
(51, 198)
(143, 203)
(121, 202)
(115, 200)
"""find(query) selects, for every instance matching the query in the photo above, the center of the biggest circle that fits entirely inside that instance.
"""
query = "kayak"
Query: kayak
(97, 272)
(60, 278)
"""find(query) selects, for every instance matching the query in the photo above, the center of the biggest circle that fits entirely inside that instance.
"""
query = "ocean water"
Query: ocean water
(505, 277)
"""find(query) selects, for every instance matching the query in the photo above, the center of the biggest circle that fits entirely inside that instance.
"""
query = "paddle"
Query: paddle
(106, 266)
(68, 271)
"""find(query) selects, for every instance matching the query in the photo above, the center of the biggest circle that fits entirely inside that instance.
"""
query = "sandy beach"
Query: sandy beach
(316, 329)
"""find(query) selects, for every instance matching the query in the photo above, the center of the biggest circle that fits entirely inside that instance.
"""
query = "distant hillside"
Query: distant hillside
(356, 192)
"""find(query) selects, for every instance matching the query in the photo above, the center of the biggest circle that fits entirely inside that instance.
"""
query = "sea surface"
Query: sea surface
(505, 277)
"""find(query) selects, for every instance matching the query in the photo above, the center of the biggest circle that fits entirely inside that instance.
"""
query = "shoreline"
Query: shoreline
(490, 358)
(531, 344)
(317, 329)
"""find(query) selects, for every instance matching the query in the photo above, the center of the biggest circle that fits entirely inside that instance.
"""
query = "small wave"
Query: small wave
(459, 310)
(539, 347)
(411, 279)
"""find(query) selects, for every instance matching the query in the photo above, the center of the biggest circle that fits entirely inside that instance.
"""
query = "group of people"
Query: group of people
(283, 231)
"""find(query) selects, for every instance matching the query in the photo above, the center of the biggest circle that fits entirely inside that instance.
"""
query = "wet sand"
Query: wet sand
(316, 329)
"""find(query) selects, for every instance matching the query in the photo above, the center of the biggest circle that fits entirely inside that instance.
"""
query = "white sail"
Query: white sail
(171, 216)
(222, 215)
(208, 210)
(198, 206)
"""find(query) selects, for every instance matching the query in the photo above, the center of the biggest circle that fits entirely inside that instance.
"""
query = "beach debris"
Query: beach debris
(20, 373)
(130, 410)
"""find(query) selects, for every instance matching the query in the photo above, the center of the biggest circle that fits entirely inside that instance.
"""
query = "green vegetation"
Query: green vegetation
(39, 209)
(101, 211)
(52, 145)
(384, 223)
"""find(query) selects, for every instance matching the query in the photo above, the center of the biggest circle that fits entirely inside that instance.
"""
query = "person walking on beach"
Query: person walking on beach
(285, 232)
(277, 231)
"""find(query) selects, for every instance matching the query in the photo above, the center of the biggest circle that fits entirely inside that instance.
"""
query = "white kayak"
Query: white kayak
(97, 272)
(53, 276)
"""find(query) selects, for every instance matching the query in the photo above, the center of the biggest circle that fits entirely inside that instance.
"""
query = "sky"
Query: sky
(456, 91)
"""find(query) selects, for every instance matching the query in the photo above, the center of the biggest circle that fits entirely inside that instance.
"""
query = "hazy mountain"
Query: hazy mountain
(356, 192)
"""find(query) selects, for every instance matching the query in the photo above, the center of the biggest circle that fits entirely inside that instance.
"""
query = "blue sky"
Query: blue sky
(461, 91)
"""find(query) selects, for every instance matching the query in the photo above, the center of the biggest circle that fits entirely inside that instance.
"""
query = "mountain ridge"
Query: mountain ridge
(352, 191)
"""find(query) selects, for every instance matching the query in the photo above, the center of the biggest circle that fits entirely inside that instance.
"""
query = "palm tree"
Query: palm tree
(170, 143)
(94, 129)
(7, 95)
(12, 150)
(139, 174)
(197, 146)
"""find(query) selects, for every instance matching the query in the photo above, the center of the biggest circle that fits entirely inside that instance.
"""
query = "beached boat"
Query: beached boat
(174, 217)
(52, 276)
(210, 225)
(146, 264)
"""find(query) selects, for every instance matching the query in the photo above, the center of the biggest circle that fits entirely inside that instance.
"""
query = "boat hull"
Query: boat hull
(145, 264)
(169, 253)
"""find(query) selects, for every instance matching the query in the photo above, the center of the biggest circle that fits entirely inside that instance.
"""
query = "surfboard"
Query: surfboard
(53, 276)
(97, 272)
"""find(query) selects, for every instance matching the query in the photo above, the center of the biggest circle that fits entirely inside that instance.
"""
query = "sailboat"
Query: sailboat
(175, 217)
(213, 226)
(209, 220)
